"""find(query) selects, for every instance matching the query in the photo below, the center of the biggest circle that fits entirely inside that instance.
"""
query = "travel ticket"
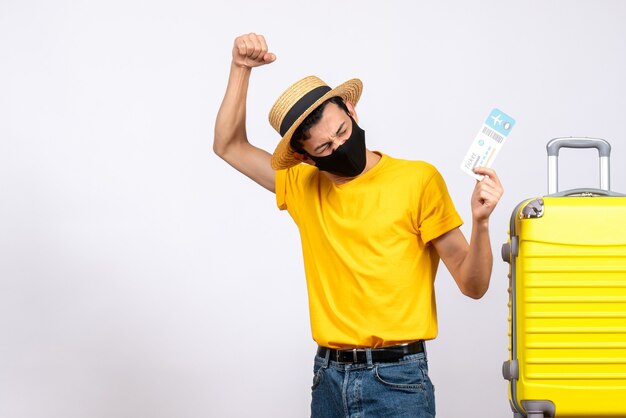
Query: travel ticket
(488, 142)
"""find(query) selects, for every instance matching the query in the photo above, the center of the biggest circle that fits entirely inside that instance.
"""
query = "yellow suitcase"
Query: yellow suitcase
(567, 298)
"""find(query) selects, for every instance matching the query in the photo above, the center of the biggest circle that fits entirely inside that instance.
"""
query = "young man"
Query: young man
(373, 230)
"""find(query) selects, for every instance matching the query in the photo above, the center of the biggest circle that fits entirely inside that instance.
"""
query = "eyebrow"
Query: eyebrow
(327, 142)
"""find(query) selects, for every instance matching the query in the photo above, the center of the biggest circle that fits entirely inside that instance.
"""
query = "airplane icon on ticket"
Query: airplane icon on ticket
(496, 120)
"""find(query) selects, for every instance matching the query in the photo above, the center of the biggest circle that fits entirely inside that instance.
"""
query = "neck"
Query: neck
(371, 159)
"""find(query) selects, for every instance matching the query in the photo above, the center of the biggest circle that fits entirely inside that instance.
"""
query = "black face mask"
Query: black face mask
(348, 160)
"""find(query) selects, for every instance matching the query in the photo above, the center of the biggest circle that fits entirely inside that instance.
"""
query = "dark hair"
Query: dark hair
(302, 132)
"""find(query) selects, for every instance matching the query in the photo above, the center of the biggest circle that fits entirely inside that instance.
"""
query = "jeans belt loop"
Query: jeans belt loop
(326, 358)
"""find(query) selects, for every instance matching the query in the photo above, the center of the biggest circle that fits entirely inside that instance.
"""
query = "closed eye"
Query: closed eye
(340, 132)
(323, 147)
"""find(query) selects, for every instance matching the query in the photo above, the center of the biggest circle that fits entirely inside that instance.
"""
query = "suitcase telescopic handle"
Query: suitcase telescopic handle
(604, 152)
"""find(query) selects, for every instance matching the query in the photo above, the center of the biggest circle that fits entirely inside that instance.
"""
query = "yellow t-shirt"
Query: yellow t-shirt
(369, 266)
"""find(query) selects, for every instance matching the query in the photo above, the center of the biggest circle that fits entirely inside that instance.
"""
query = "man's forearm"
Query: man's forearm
(230, 125)
(477, 265)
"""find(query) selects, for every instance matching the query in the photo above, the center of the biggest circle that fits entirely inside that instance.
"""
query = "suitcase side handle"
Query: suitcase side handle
(553, 147)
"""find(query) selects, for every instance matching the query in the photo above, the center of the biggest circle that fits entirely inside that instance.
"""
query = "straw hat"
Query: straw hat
(296, 103)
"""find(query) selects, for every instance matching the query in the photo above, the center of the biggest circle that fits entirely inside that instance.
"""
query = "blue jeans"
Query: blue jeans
(372, 390)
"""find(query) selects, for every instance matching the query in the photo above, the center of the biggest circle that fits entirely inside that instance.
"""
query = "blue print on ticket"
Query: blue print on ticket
(487, 142)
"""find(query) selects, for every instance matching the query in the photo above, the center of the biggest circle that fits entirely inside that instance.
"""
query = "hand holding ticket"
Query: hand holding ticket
(488, 142)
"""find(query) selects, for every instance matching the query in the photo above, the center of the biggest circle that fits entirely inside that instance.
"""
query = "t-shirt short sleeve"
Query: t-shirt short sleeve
(438, 214)
(281, 189)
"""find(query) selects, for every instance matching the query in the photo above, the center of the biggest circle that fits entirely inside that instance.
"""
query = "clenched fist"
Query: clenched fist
(251, 51)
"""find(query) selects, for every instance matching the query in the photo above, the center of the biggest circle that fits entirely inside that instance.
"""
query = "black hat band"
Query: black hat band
(301, 106)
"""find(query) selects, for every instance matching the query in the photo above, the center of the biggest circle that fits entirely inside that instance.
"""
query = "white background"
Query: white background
(141, 276)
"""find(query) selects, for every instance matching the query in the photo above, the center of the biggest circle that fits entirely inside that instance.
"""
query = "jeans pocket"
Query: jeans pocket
(404, 375)
(318, 374)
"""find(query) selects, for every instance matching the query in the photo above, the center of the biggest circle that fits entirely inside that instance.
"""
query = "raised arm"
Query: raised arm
(470, 264)
(231, 141)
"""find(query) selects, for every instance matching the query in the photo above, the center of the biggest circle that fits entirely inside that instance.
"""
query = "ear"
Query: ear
(303, 158)
(352, 111)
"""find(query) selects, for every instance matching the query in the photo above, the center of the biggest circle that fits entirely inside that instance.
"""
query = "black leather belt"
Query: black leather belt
(379, 355)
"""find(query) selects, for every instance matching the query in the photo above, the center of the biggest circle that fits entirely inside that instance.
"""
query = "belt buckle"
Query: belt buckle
(355, 357)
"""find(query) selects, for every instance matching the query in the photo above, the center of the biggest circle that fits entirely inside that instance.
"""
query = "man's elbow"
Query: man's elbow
(218, 149)
(221, 147)
(474, 291)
